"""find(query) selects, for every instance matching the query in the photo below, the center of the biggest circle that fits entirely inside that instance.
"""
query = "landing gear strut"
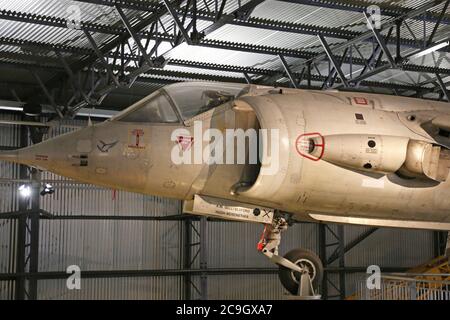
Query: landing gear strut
(300, 271)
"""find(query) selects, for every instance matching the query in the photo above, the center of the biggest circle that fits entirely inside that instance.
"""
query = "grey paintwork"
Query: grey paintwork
(107, 154)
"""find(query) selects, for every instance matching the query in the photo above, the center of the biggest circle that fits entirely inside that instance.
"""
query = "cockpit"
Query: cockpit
(179, 102)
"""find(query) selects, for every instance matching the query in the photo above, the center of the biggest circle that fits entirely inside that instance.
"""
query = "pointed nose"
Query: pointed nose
(52, 154)
(22, 156)
(11, 156)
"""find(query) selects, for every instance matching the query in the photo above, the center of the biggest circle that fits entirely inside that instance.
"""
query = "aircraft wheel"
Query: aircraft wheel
(306, 259)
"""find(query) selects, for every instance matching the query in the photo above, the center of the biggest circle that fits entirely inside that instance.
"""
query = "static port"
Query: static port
(371, 144)
(256, 212)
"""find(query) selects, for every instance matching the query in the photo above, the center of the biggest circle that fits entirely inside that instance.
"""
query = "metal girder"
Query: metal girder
(329, 32)
(238, 69)
(371, 63)
(194, 244)
(219, 23)
(74, 82)
(333, 73)
(277, 51)
(257, 71)
(288, 71)
(134, 74)
(157, 13)
(128, 4)
(386, 25)
(177, 21)
(303, 54)
(242, 12)
(443, 87)
(438, 23)
(47, 94)
(253, 22)
(361, 6)
(27, 250)
(351, 244)
(380, 41)
(334, 62)
(329, 239)
(102, 58)
(247, 77)
(89, 274)
(134, 35)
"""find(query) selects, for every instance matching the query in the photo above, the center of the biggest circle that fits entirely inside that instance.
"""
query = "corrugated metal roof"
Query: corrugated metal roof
(287, 12)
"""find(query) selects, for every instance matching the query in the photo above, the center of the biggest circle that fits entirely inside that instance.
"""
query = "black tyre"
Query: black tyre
(304, 258)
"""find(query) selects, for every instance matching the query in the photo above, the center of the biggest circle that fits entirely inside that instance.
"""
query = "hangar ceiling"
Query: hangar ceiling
(107, 54)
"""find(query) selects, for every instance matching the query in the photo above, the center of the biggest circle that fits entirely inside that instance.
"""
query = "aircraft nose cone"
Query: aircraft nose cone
(9, 156)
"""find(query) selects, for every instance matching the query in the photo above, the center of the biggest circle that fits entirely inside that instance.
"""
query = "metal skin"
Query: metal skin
(338, 177)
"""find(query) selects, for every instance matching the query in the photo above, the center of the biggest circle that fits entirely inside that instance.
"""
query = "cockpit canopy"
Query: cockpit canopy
(181, 101)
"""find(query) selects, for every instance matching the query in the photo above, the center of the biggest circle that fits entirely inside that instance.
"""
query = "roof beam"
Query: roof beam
(380, 41)
(252, 22)
(443, 86)
(155, 74)
(288, 71)
(334, 62)
(134, 35)
(391, 23)
(361, 6)
(47, 94)
(177, 21)
(143, 69)
(438, 23)
(303, 54)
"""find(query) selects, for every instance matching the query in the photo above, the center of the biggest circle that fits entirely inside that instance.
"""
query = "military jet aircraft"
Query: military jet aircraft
(322, 156)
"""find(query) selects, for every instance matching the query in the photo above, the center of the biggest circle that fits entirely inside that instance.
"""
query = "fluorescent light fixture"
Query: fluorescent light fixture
(430, 50)
(9, 108)
(11, 105)
(84, 112)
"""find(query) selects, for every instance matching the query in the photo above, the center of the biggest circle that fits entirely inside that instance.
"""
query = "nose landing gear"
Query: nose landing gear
(300, 271)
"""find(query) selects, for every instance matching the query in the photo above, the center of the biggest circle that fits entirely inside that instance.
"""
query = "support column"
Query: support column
(203, 260)
(195, 251)
(341, 236)
(34, 234)
(21, 226)
(323, 257)
(447, 246)
(27, 259)
(187, 257)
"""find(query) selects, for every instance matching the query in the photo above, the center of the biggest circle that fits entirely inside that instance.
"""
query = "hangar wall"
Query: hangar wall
(120, 245)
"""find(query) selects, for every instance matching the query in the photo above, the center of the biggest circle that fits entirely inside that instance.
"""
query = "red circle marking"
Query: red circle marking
(307, 156)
